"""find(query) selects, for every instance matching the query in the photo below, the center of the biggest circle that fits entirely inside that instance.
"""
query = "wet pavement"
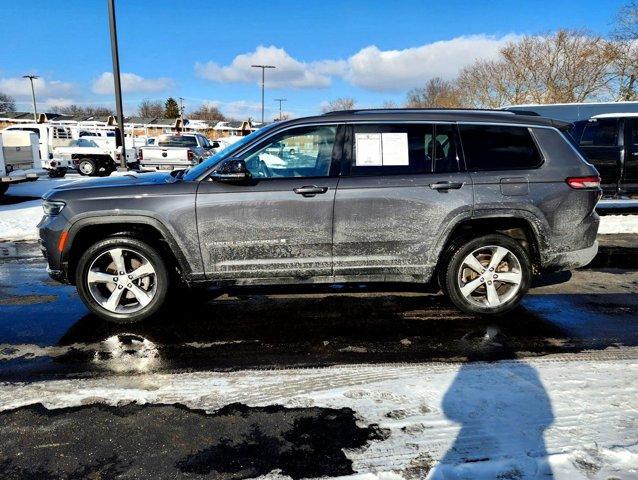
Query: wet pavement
(46, 332)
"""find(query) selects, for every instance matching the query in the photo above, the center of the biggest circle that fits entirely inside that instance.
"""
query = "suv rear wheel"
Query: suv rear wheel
(487, 275)
(122, 279)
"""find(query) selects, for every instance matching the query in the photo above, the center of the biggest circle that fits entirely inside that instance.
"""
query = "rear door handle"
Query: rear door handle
(446, 185)
(310, 190)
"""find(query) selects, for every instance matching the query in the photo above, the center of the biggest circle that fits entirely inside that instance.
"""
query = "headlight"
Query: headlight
(52, 208)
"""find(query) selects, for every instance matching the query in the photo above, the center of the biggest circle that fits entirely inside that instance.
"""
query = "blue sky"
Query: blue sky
(373, 51)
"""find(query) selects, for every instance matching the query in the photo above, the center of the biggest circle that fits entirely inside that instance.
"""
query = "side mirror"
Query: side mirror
(233, 170)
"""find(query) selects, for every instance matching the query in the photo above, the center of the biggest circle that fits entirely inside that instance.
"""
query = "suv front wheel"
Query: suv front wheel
(122, 279)
(487, 275)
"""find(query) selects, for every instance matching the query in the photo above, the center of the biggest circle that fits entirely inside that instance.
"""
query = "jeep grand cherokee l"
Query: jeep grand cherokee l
(475, 201)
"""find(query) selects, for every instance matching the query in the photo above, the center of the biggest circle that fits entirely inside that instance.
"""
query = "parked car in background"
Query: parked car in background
(19, 158)
(610, 142)
(474, 202)
(176, 150)
(50, 137)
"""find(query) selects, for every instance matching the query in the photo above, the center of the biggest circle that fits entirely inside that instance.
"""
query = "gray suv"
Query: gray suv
(476, 202)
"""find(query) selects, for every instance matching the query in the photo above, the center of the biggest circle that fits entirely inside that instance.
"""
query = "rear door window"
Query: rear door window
(496, 147)
(600, 133)
(392, 149)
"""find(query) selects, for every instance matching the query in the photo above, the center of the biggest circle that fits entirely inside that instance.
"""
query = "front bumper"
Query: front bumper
(556, 262)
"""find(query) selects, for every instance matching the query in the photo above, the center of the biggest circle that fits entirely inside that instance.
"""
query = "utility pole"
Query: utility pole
(181, 107)
(280, 100)
(118, 85)
(263, 82)
(35, 109)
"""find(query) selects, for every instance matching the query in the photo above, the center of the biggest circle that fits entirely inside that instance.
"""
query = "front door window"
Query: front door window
(302, 152)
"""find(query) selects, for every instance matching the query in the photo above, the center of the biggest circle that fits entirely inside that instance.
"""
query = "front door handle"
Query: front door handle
(446, 185)
(310, 190)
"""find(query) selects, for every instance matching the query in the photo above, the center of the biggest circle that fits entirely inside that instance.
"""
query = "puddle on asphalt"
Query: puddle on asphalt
(166, 441)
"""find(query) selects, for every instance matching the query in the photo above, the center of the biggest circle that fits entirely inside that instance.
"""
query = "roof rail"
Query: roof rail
(420, 110)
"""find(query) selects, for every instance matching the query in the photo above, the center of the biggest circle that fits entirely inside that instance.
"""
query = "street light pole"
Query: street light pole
(35, 109)
(263, 82)
(280, 100)
(116, 79)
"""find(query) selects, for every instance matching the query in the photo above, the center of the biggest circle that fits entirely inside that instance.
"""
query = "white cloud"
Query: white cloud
(289, 72)
(389, 70)
(131, 83)
(370, 68)
(20, 88)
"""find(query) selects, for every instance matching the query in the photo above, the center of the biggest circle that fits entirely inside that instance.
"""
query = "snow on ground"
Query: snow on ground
(573, 416)
(19, 221)
(612, 224)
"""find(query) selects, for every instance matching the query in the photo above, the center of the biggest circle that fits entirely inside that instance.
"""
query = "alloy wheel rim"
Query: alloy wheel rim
(490, 276)
(122, 280)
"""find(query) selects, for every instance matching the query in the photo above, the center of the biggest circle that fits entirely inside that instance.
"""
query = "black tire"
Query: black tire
(87, 167)
(161, 278)
(451, 270)
(57, 173)
(105, 171)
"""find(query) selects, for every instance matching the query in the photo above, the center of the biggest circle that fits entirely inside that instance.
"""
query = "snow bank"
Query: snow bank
(19, 221)
(610, 224)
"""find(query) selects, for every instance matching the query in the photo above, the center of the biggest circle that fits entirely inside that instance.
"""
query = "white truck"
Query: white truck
(49, 137)
(95, 155)
(19, 158)
(173, 151)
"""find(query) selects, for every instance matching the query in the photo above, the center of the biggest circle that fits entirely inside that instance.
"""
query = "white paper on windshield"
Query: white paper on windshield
(368, 149)
(395, 148)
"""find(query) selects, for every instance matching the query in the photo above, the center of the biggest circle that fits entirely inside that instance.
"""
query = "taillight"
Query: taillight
(140, 155)
(580, 183)
(191, 155)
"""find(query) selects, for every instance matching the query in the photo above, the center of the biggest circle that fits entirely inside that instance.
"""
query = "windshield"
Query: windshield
(195, 172)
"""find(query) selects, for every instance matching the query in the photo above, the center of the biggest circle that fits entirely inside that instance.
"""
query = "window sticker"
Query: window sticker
(368, 147)
(395, 149)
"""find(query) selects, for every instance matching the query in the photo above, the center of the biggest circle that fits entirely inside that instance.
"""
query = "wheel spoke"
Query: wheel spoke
(497, 257)
(99, 277)
(492, 296)
(113, 300)
(140, 295)
(118, 258)
(470, 287)
(474, 264)
(510, 277)
(142, 271)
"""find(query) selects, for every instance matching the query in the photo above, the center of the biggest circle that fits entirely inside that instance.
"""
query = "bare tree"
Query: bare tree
(79, 110)
(208, 112)
(566, 66)
(437, 93)
(7, 103)
(389, 104)
(626, 36)
(339, 104)
(150, 108)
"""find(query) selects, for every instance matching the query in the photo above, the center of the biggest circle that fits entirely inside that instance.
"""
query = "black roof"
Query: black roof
(434, 115)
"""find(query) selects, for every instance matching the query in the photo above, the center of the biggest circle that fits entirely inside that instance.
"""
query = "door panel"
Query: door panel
(390, 225)
(266, 229)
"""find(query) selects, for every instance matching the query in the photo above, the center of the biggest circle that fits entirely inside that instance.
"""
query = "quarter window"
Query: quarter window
(302, 152)
(495, 147)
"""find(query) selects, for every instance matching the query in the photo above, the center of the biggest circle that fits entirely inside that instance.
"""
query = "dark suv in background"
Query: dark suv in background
(475, 201)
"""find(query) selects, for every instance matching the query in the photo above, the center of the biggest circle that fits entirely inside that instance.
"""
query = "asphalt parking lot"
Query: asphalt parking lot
(230, 384)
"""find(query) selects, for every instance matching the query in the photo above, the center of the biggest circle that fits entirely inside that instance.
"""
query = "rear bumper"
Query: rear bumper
(570, 260)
